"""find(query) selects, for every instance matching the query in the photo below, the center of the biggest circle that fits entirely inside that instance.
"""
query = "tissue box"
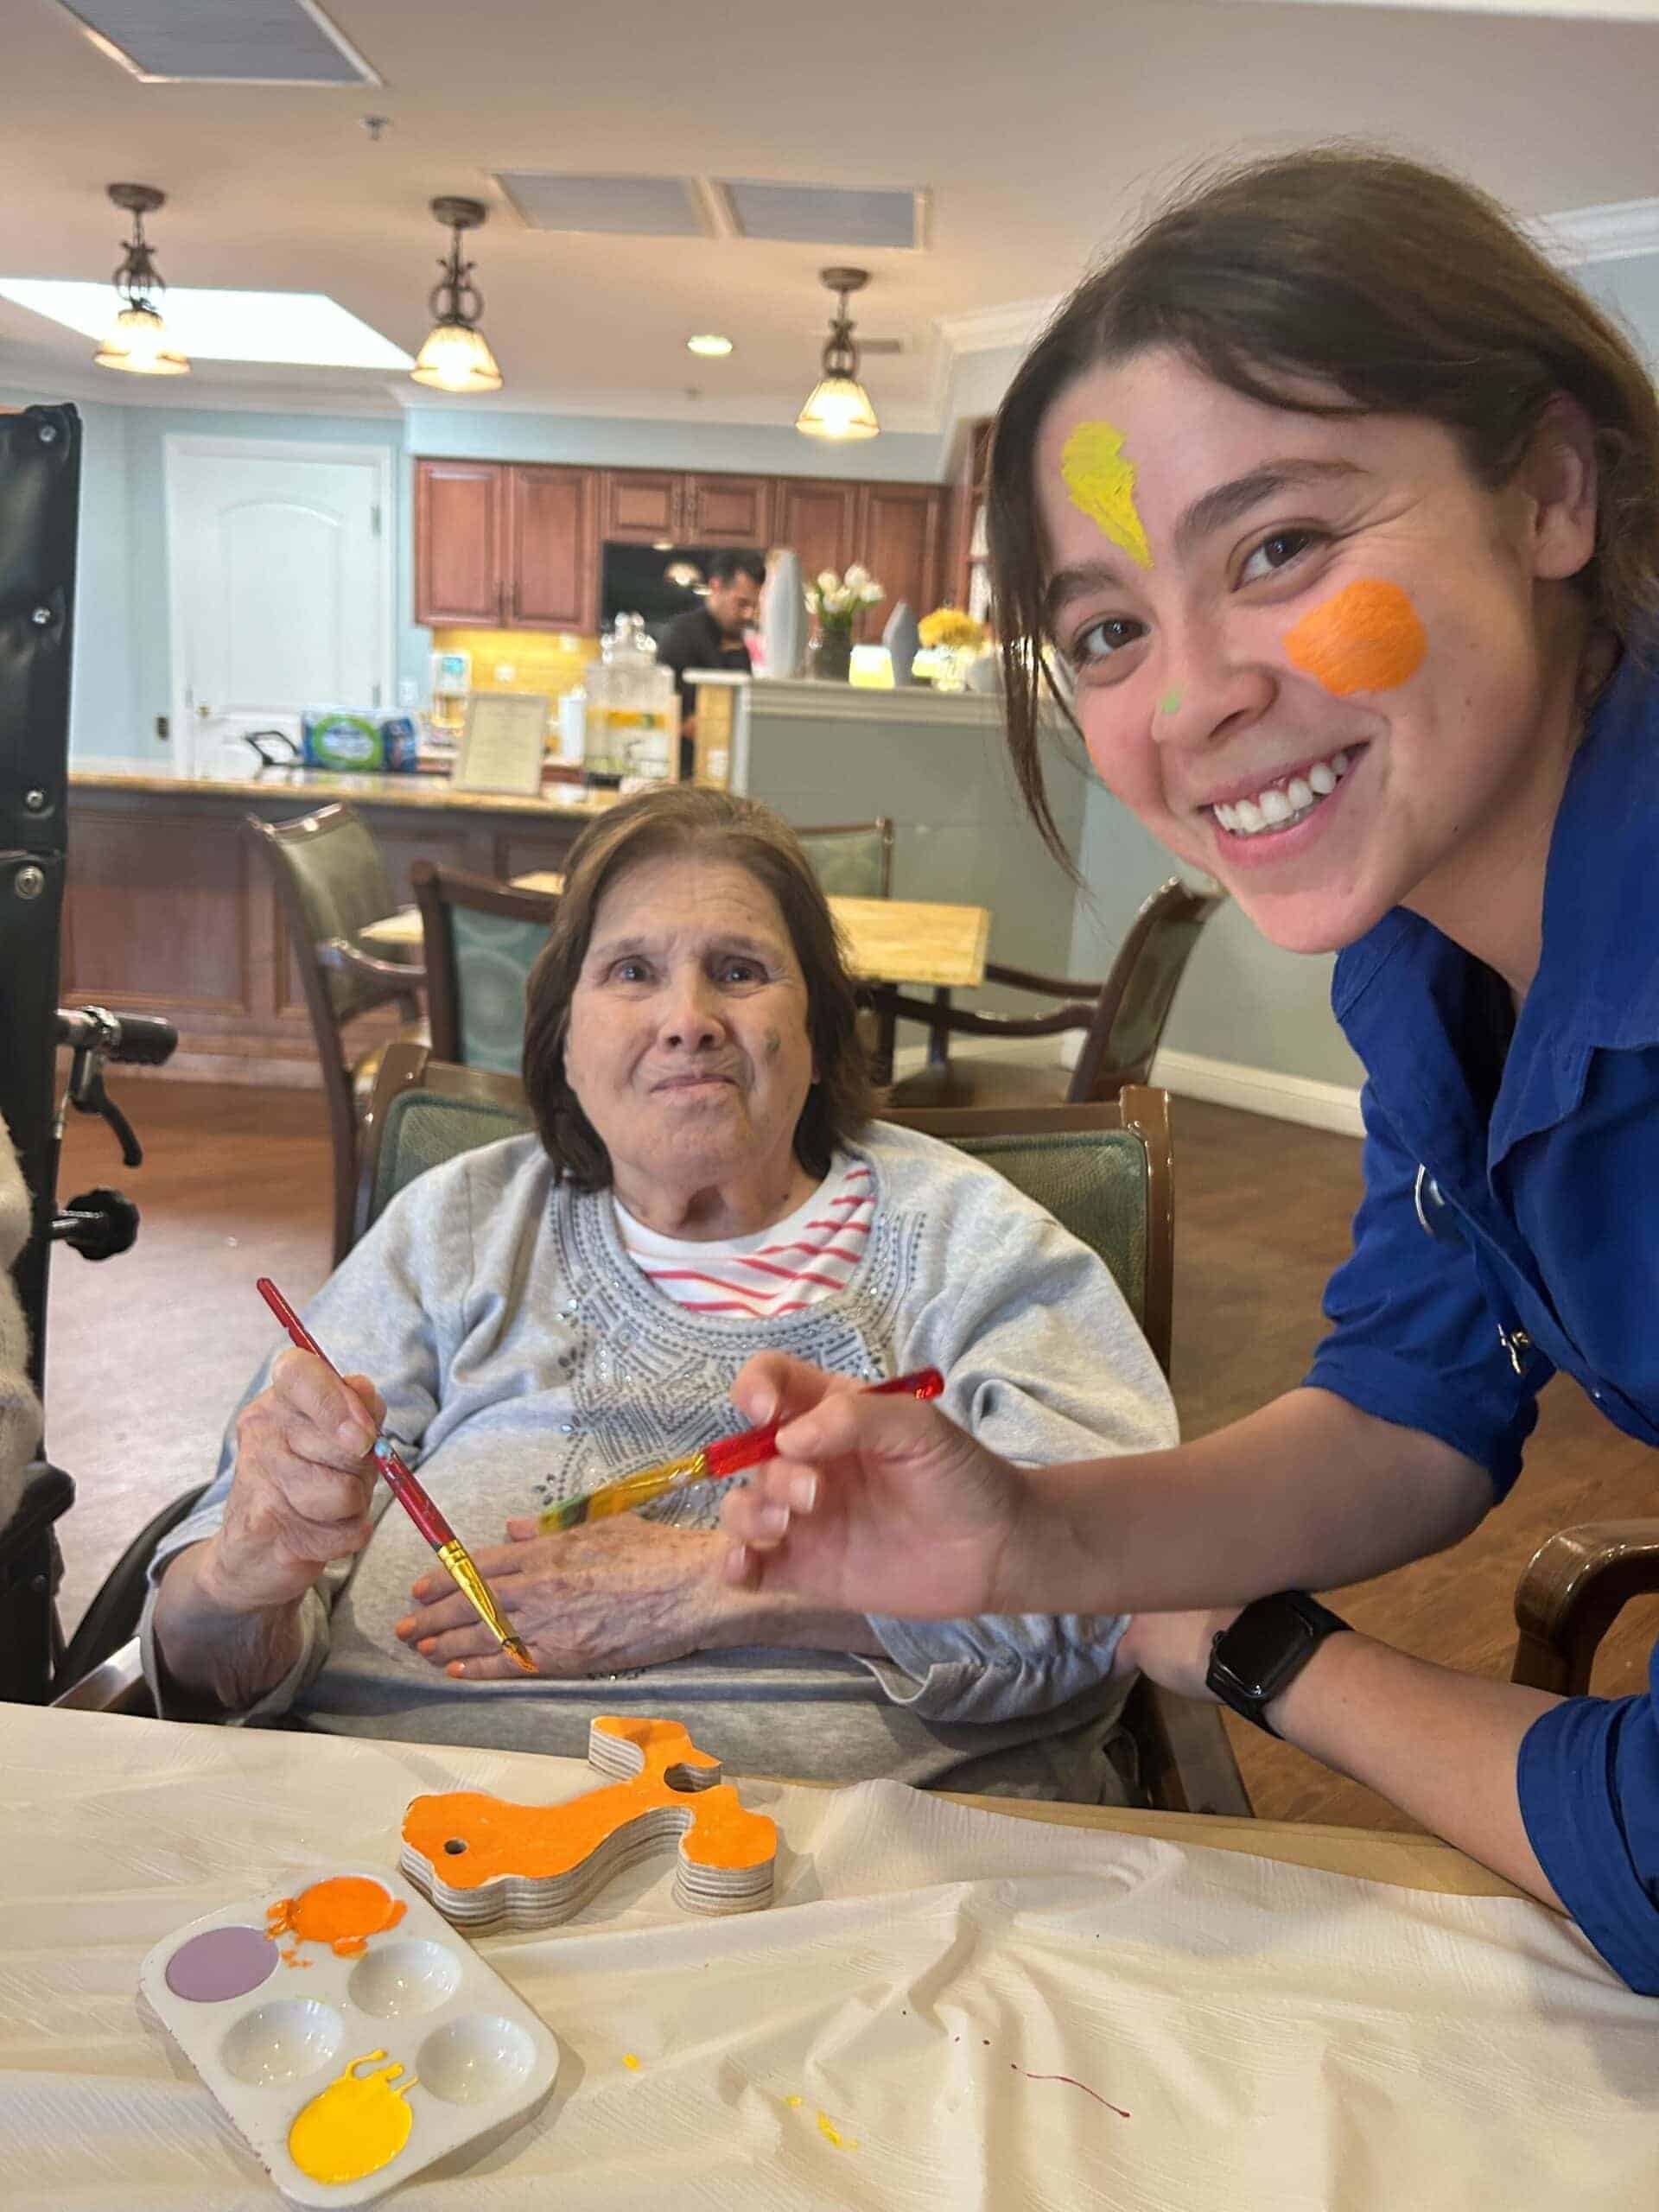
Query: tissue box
(340, 737)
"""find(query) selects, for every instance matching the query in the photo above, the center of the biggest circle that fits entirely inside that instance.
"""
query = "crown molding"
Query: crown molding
(1016, 323)
(1622, 230)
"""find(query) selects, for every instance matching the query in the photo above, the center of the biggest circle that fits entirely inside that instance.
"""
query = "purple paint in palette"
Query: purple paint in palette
(223, 1963)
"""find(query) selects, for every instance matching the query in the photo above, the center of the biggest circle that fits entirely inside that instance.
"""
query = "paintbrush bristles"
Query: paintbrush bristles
(624, 1495)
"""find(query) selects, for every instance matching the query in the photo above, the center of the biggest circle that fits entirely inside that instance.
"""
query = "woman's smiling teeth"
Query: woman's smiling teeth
(1278, 805)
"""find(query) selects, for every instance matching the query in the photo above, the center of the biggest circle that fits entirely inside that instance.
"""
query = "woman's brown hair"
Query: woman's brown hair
(1400, 288)
(680, 821)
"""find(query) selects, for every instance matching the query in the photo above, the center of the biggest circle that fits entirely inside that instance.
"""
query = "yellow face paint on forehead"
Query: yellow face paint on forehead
(1101, 484)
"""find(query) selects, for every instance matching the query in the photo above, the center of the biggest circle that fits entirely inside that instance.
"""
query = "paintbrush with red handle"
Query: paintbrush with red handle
(728, 1455)
(414, 1499)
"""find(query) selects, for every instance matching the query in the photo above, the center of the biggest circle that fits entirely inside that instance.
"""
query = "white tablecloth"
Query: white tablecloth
(1282, 2038)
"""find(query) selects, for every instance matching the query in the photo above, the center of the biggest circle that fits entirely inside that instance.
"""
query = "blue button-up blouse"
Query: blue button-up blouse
(1511, 1228)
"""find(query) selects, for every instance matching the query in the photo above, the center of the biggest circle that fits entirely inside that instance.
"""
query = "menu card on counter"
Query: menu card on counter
(502, 743)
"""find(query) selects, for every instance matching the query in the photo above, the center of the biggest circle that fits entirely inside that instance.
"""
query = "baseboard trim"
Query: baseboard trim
(1297, 1098)
(1260, 1091)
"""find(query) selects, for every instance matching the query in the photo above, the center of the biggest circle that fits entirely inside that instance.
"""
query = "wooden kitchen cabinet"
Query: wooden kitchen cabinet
(500, 545)
(641, 506)
(819, 520)
(727, 510)
(459, 511)
(517, 545)
(898, 535)
(553, 565)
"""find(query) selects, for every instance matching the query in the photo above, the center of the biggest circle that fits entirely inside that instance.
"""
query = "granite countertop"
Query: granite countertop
(151, 779)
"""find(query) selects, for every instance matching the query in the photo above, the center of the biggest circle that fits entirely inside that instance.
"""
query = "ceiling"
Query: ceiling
(1037, 135)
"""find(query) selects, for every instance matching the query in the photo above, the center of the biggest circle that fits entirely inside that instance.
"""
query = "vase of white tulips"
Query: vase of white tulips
(836, 603)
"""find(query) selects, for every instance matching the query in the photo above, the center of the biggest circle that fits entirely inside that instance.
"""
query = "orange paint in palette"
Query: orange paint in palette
(483, 1859)
(1367, 638)
(342, 1912)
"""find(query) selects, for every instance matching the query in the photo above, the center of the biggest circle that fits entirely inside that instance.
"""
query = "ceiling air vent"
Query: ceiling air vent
(641, 206)
(823, 215)
(222, 41)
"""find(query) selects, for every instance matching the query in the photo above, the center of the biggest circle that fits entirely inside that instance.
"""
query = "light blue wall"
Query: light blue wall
(1242, 1000)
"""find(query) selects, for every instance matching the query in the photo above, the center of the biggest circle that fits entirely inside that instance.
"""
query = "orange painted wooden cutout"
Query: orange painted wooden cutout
(481, 1858)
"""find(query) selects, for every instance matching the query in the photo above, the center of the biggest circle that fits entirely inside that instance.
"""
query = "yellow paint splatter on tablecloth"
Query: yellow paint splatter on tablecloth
(1102, 486)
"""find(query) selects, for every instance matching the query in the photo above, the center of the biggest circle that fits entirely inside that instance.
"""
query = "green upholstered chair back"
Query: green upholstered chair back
(493, 958)
(332, 883)
(1094, 1182)
(854, 860)
(426, 1111)
(482, 939)
(1102, 1169)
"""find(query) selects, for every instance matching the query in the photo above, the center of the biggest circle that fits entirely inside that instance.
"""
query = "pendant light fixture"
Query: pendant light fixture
(455, 357)
(838, 405)
(137, 340)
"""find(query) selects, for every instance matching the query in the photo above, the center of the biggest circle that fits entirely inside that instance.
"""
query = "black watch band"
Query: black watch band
(1261, 1655)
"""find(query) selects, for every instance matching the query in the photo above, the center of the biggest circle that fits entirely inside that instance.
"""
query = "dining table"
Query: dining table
(887, 940)
(948, 2002)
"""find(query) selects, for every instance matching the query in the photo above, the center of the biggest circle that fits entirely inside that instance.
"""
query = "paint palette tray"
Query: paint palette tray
(276, 2022)
(487, 1863)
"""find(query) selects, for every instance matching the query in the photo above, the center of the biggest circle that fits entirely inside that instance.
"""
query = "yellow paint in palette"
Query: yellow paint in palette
(1101, 484)
(354, 2126)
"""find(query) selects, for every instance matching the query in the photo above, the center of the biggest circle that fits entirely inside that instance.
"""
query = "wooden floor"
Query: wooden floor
(148, 1353)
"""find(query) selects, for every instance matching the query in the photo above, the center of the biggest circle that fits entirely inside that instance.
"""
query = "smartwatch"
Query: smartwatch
(1258, 1657)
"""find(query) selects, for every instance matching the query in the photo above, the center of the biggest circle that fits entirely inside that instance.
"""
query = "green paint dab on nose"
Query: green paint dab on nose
(1170, 703)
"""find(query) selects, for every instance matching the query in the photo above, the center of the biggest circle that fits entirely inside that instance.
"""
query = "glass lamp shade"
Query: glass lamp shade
(138, 343)
(456, 358)
(838, 407)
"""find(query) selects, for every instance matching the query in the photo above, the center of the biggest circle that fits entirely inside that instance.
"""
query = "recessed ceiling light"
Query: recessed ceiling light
(710, 342)
(294, 329)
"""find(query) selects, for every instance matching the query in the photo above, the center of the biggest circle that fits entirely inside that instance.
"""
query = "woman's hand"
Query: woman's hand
(873, 1504)
(613, 1594)
(1174, 1649)
(300, 1494)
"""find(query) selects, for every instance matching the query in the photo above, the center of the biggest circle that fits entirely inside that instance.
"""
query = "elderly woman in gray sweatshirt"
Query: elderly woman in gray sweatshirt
(543, 1314)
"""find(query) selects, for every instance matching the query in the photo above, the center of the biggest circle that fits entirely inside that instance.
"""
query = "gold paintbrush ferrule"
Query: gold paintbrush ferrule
(472, 1584)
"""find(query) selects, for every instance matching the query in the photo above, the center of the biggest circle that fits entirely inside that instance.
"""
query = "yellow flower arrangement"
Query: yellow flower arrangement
(948, 626)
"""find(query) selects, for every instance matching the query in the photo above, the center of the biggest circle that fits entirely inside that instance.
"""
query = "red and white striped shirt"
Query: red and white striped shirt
(795, 1264)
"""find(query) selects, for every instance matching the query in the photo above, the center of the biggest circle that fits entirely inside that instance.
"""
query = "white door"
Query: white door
(281, 589)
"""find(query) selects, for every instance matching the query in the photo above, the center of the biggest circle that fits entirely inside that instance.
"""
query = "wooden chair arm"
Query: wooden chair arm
(1186, 1760)
(891, 1004)
(1053, 987)
(401, 976)
(116, 1686)
(1573, 1589)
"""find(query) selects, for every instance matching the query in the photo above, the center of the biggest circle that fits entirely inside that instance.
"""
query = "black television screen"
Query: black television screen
(655, 582)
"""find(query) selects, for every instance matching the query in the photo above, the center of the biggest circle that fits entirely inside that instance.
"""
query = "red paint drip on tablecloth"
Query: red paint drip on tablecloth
(1071, 2082)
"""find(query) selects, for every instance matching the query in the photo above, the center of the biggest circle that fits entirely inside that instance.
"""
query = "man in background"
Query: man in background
(711, 635)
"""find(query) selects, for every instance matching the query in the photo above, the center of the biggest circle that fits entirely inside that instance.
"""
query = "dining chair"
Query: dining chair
(852, 860)
(482, 939)
(1123, 1019)
(331, 883)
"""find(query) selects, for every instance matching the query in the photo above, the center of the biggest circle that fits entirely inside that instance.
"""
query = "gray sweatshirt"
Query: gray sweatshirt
(525, 1359)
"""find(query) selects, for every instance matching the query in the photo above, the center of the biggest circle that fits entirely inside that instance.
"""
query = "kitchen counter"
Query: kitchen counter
(170, 906)
(318, 786)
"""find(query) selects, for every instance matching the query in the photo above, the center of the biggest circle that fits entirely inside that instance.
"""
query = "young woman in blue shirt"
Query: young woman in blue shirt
(1341, 506)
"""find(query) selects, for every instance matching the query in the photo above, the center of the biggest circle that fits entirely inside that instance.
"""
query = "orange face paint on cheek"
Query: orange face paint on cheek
(1367, 639)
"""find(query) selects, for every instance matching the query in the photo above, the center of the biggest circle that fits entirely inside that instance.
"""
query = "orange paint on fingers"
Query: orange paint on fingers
(1366, 639)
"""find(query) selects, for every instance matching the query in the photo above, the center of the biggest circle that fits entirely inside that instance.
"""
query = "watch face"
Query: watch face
(1264, 1648)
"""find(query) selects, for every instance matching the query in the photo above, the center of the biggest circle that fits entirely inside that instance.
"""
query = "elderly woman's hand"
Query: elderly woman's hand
(614, 1594)
(300, 1494)
(877, 1504)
